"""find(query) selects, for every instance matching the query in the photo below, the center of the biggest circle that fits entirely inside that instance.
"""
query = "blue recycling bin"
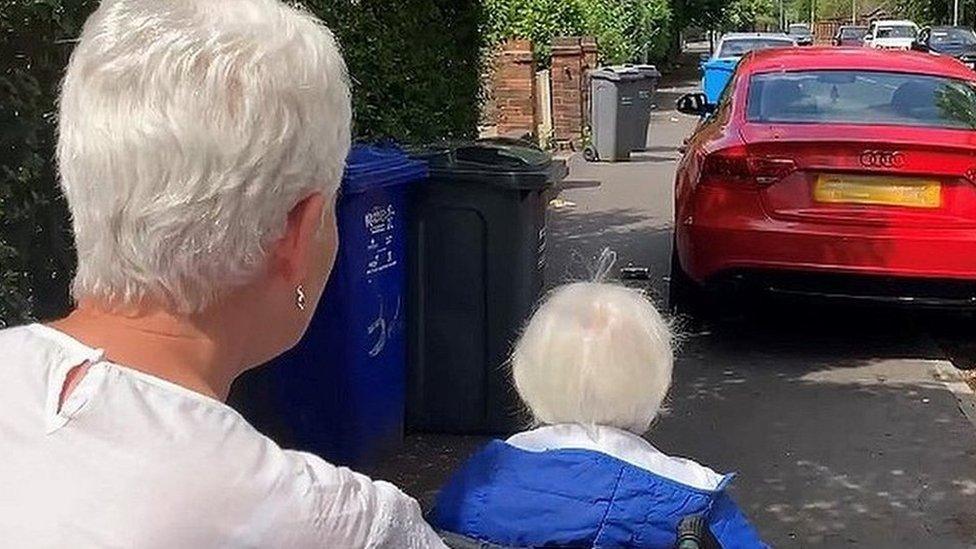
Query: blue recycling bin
(716, 74)
(340, 393)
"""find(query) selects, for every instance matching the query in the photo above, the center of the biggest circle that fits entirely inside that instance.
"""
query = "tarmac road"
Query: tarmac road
(846, 426)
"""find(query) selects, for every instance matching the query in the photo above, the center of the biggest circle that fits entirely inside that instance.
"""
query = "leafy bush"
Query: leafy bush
(415, 65)
(629, 30)
(415, 68)
(749, 15)
(626, 30)
(36, 256)
(928, 12)
(536, 20)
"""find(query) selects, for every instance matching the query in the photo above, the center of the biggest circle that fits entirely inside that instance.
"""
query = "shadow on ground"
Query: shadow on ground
(835, 420)
(579, 237)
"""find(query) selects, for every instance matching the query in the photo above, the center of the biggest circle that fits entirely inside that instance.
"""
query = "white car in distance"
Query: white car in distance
(891, 35)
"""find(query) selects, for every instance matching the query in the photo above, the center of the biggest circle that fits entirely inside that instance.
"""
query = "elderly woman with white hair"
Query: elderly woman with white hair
(200, 146)
(593, 367)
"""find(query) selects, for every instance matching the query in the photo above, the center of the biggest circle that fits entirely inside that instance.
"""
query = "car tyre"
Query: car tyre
(686, 298)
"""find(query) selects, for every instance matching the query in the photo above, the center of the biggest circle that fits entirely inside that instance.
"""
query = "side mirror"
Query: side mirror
(918, 46)
(694, 104)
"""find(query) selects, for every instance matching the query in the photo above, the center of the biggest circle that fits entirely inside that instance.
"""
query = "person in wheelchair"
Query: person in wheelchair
(593, 367)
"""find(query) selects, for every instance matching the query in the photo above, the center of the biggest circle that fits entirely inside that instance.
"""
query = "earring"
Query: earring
(300, 297)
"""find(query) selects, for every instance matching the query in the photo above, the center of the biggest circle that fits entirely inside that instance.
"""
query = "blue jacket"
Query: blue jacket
(578, 498)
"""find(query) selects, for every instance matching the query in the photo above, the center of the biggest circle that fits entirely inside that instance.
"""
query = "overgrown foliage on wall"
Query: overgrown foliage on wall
(626, 30)
(415, 70)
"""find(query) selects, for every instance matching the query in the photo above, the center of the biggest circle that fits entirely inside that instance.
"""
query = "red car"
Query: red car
(832, 172)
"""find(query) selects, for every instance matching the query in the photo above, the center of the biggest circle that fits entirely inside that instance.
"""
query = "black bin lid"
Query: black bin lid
(498, 161)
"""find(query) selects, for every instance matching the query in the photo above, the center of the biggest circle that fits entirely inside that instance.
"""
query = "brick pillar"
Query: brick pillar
(567, 101)
(515, 92)
(589, 52)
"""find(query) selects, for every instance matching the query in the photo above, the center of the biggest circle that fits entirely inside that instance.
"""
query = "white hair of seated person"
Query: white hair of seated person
(594, 354)
(188, 130)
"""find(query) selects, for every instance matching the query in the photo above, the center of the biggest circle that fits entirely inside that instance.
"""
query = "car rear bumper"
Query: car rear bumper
(819, 287)
(732, 233)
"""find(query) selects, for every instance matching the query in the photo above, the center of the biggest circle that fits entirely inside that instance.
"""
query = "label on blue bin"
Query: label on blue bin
(380, 223)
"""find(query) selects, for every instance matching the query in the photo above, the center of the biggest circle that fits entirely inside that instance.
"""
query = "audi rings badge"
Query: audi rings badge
(882, 159)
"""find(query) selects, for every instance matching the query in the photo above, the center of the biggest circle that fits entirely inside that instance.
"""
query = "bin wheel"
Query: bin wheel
(589, 154)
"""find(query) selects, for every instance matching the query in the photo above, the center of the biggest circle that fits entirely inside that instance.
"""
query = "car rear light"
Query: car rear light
(736, 166)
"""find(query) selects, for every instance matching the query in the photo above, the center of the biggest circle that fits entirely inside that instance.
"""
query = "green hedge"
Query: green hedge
(626, 30)
(414, 63)
(36, 257)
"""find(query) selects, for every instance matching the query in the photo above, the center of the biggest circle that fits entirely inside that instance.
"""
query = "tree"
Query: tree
(926, 12)
(751, 15)
(725, 15)
(705, 14)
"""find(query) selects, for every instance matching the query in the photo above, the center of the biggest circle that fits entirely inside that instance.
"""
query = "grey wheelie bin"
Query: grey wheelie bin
(647, 88)
(622, 98)
(477, 249)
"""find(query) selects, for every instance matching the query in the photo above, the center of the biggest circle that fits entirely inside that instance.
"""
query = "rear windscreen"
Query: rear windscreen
(853, 33)
(737, 47)
(861, 97)
(896, 32)
(952, 37)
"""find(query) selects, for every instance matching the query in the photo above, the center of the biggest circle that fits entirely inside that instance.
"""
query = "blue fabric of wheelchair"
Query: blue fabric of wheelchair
(512, 497)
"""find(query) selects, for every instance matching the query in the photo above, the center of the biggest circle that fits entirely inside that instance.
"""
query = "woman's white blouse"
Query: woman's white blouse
(131, 460)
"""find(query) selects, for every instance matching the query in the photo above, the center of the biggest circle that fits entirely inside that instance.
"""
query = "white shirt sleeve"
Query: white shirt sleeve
(351, 510)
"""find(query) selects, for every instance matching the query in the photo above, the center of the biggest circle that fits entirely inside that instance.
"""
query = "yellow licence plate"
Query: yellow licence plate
(886, 191)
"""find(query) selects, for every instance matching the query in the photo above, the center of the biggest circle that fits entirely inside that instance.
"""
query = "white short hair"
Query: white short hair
(188, 130)
(595, 354)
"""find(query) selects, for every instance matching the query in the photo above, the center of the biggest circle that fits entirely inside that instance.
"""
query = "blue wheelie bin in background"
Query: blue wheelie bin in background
(340, 393)
(716, 73)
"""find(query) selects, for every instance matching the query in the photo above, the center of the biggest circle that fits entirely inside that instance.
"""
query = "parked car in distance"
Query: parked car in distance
(800, 33)
(717, 68)
(850, 35)
(958, 42)
(833, 173)
(891, 35)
